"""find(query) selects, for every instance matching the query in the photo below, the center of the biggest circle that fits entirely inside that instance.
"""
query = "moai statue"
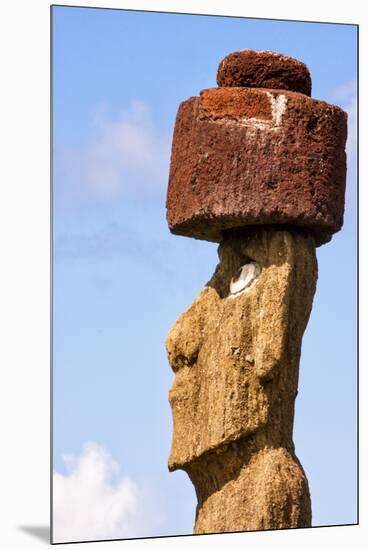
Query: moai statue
(258, 166)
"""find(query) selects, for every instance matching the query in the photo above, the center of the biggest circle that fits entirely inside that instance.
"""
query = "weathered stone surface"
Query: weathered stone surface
(262, 69)
(258, 166)
(268, 489)
(235, 354)
(244, 156)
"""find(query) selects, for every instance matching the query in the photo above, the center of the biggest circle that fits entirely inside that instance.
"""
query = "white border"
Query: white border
(24, 218)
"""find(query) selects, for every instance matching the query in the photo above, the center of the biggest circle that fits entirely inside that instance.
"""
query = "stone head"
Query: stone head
(238, 341)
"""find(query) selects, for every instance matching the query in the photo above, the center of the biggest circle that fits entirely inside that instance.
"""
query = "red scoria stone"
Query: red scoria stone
(247, 156)
(254, 69)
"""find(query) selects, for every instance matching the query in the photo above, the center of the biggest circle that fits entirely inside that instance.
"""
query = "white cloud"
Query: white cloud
(346, 95)
(110, 240)
(345, 90)
(125, 156)
(351, 109)
(93, 501)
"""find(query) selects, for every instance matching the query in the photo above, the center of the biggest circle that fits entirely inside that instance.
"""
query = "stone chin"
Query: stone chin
(193, 441)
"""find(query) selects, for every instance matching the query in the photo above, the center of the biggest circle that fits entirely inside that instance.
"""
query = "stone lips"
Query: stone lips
(244, 156)
(254, 69)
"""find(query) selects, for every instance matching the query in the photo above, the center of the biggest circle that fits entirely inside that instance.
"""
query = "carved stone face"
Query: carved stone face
(240, 337)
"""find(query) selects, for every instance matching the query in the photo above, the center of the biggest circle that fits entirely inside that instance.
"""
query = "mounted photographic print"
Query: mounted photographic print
(204, 274)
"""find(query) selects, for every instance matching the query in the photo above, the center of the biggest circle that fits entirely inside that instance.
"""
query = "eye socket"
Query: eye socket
(244, 278)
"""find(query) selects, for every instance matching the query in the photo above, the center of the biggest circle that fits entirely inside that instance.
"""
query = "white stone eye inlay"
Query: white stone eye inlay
(247, 276)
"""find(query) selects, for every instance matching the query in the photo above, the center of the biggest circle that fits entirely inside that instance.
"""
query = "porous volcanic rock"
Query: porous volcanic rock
(247, 156)
(262, 69)
(236, 362)
(260, 167)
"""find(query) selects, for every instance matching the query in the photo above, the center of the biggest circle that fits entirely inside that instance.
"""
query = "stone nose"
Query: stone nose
(263, 69)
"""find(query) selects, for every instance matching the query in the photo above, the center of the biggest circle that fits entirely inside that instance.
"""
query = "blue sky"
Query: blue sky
(121, 279)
